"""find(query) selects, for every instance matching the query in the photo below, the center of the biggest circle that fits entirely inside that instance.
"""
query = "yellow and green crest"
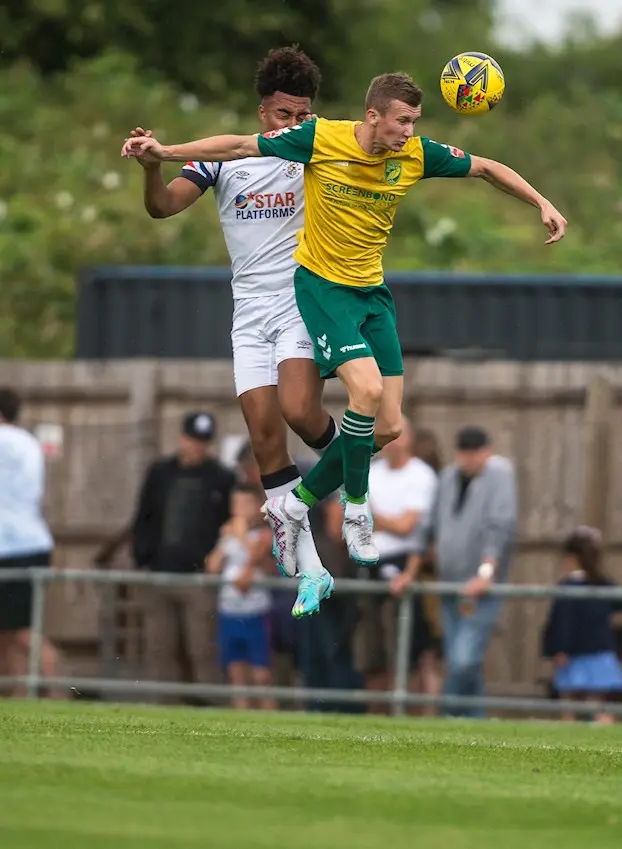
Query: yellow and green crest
(392, 171)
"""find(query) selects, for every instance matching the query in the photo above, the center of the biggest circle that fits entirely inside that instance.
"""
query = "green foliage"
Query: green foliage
(67, 199)
(208, 48)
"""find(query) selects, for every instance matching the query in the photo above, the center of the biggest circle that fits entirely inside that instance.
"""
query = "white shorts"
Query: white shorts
(265, 332)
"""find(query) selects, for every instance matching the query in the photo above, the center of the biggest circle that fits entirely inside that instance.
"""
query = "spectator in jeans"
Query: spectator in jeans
(401, 492)
(183, 503)
(242, 555)
(25, 539)
(472, 525)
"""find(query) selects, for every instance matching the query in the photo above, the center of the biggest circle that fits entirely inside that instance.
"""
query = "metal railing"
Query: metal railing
(398, 698)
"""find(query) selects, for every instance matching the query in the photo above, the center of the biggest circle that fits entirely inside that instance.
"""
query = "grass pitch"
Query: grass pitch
(75, 776)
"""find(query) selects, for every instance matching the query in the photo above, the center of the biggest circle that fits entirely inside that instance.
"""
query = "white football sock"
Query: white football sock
(320, 451)
(353, 509)
(282, 489)
(308, 559)
(294, 507)
(280, 482)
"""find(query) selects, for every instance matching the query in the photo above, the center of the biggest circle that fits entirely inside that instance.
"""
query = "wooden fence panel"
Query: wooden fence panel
(117, 416)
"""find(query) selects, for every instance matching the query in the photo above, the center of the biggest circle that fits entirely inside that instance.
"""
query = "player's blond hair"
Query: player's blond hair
(389, 87)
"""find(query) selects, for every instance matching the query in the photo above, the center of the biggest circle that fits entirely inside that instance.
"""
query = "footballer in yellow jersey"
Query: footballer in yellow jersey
(351, 196)
(356, 173)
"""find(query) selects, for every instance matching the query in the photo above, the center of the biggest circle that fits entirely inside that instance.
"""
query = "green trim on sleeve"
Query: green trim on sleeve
(443, 160)
(295, 144)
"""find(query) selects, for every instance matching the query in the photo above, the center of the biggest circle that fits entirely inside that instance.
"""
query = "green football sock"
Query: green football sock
(325, 477)
(327, 474)
(358, 444)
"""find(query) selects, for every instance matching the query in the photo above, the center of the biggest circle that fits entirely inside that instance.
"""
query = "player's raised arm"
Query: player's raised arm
(507, 180)
(294, 144)
(213, 149)
(441, 160)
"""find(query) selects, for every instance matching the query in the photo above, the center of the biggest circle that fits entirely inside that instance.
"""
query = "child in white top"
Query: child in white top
(242, 555)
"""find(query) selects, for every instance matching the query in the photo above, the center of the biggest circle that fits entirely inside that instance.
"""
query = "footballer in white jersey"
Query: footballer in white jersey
(260, 205)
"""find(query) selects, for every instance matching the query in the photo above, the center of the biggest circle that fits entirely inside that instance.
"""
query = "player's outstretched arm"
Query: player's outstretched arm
(162, 200)
(294, 144)
(214, 149)
(506, 180)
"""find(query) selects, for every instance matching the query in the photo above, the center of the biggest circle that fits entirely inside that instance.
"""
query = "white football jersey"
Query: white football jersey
(260, 205)
(23, 529)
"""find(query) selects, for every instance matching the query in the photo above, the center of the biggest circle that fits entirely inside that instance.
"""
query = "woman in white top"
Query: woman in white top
(25, 538)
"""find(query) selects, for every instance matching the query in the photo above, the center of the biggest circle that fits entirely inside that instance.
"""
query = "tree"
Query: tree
(210, 49)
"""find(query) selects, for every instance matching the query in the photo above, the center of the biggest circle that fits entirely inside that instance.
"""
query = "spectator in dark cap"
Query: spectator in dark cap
(199, 427)
(183, 503)
(472, 527)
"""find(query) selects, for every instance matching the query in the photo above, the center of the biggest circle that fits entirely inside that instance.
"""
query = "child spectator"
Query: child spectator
(242, 555)
(578, 635)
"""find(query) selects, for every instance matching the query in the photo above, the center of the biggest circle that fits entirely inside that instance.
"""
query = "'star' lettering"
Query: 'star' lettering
(270, 200)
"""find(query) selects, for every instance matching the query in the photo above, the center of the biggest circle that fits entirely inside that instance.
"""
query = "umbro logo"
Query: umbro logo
(342, 164)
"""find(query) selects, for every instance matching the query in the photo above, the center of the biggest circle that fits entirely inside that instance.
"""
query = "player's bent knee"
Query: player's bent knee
(365, 393)
(366, 401)
(364, 383)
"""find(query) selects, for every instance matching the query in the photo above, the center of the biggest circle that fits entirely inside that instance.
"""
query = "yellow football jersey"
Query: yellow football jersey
(351, 196)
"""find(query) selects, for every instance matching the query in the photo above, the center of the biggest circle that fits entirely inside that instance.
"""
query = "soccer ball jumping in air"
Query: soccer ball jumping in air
(472, 83)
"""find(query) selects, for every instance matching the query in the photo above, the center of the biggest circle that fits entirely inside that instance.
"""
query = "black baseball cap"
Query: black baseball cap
(199, 426)
(472, 439)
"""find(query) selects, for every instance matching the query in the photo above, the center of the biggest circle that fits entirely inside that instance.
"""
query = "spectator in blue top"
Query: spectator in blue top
(578, 634)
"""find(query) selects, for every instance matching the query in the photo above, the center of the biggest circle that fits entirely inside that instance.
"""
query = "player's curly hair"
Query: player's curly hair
(290, 70)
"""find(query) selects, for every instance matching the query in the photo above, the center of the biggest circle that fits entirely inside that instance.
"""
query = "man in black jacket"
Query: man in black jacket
(183, 503)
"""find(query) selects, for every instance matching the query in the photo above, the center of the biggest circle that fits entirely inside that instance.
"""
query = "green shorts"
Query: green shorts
(348, 322)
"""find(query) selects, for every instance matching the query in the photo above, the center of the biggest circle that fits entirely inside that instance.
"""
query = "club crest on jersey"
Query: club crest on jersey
(272, 134)
(292, 170)
(455, 151)
(392, 171)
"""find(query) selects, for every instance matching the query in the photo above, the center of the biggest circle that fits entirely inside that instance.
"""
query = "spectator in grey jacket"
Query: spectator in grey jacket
(472, 527)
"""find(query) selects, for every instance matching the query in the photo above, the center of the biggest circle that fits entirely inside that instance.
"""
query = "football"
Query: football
(472, 83)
